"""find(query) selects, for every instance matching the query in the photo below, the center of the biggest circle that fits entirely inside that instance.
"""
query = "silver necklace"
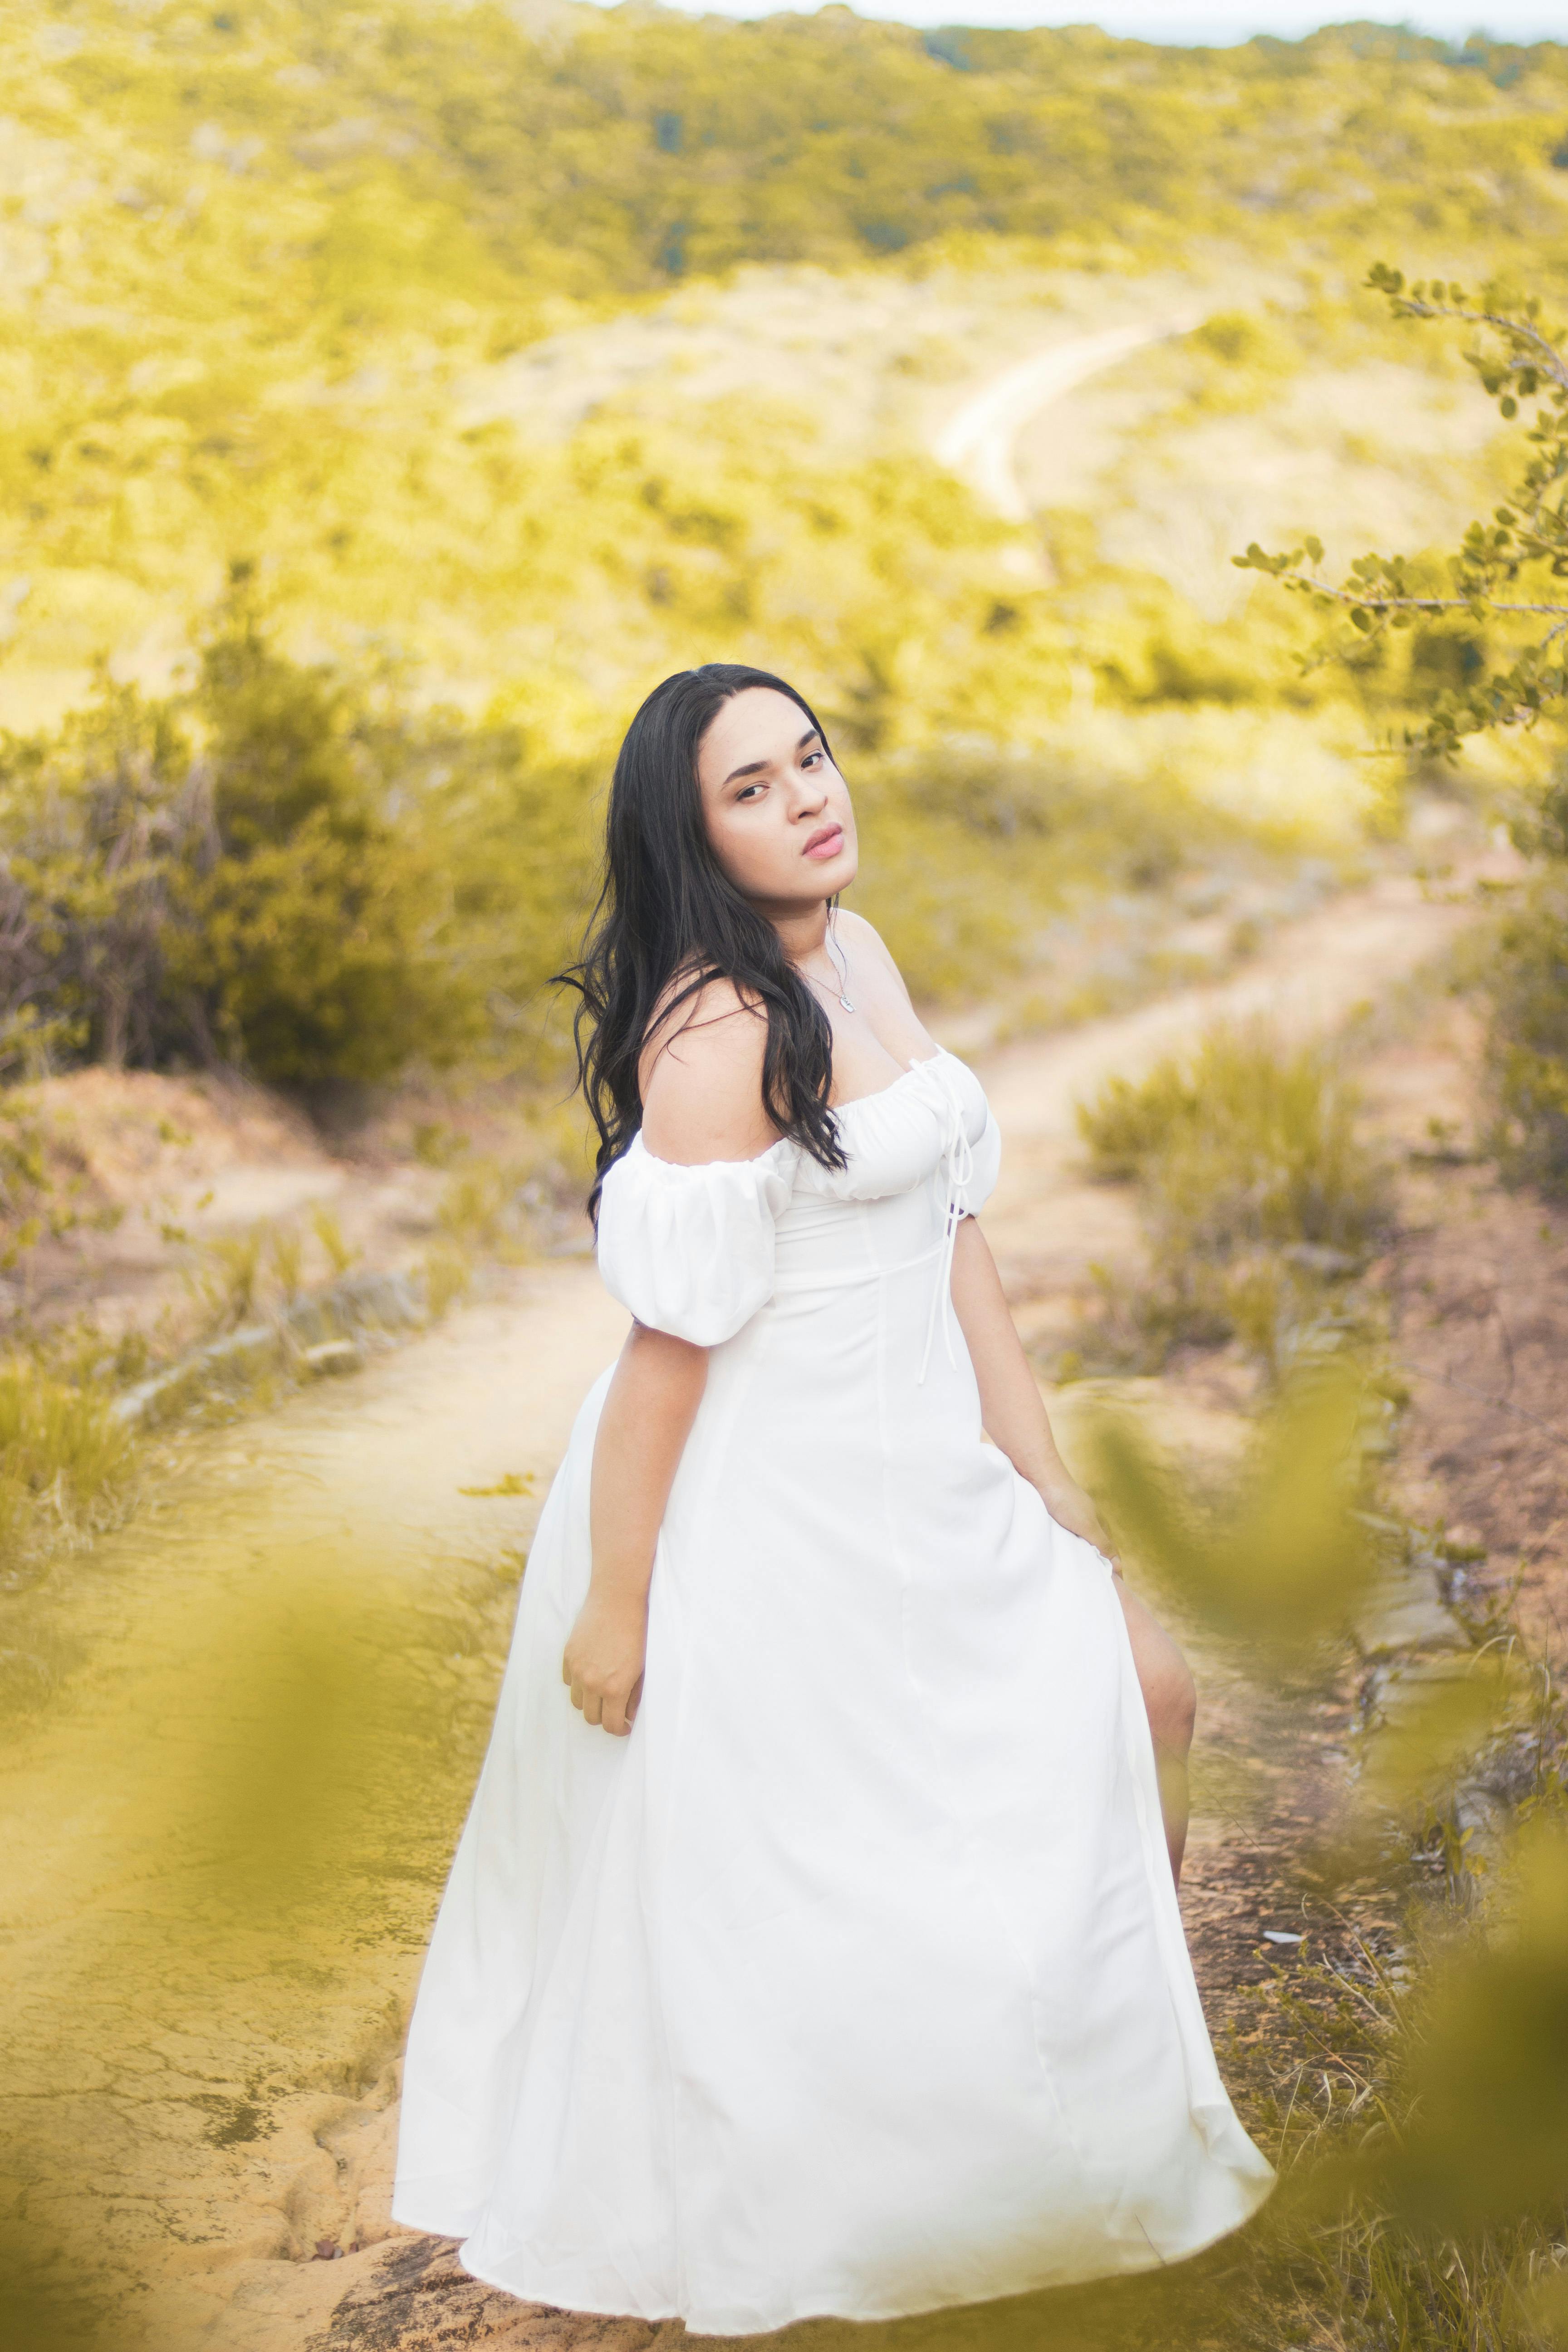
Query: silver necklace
(836, 953)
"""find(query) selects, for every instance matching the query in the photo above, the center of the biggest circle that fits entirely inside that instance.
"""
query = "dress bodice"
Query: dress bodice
(698, 1251)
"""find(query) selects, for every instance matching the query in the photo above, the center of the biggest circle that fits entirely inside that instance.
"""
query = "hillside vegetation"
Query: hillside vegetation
(255, 260)
(248, 251)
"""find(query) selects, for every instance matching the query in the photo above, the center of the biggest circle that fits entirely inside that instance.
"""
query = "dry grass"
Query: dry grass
(1259, 1200)
(65, 1463)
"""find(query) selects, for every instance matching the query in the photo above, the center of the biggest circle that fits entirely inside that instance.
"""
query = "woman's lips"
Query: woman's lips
(825, 843)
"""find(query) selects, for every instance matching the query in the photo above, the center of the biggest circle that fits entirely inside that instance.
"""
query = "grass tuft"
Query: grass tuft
(64, 1459)
(1259, 1200)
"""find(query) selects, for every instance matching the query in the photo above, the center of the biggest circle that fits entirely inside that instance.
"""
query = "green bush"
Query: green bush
(311, 928)
(1131, 1121)
(282, 869)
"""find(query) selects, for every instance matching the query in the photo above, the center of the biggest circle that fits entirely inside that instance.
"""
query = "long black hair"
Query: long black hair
(668, 911)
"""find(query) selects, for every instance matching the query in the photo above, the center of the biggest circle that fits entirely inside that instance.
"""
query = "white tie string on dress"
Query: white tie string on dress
(957, 1165)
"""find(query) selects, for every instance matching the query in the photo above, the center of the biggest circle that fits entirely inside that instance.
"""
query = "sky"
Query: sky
(1203, 21)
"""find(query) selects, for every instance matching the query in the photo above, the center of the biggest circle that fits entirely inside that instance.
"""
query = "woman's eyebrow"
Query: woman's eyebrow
(755, 767)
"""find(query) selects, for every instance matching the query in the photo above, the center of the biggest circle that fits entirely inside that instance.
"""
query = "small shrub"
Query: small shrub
(1259, 1197)
(227, 1275)
(1246, 1143)
(448, 1275)
(1131, 1120)
(288, 1260)
(340, 1256)
(266, 871)
(59, 1444)
(38, 1195)
(487, 1207)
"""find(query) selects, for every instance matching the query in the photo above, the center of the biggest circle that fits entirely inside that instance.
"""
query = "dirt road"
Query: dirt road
(978, 441)
(200, 2111)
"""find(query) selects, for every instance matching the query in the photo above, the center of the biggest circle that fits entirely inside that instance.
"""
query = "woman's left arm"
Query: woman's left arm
(1011, 1406)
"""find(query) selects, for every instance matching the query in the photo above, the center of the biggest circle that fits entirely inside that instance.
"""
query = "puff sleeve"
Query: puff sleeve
(691, 1250)
(987, 1149)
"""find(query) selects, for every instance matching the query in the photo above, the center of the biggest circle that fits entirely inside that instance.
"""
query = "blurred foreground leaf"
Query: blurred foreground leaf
(1437, 1724)
(1484, 2077)
(1280, 1557)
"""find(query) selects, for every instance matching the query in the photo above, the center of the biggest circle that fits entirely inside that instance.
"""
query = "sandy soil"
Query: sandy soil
(206, 2109)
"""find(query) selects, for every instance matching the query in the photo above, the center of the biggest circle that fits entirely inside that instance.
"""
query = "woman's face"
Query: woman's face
(777, 809)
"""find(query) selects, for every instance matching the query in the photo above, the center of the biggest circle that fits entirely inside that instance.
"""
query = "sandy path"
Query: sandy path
(1046, 1220)
(238, 2108)
(979, 440)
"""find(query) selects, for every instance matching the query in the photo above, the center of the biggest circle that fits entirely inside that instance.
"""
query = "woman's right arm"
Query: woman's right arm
(701, 1101)
(643, 1429)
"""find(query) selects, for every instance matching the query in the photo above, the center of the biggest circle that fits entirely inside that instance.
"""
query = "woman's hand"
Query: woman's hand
(1073, 1509)
(647, 1414)
(603, 1662)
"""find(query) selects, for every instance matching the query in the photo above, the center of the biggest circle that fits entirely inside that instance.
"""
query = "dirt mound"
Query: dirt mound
(140, 1139)
(146, 1180)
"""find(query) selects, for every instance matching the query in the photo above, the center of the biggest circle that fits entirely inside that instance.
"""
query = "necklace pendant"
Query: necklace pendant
(845, 1004)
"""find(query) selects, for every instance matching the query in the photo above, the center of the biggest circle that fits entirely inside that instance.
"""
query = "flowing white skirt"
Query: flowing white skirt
(854, 1982)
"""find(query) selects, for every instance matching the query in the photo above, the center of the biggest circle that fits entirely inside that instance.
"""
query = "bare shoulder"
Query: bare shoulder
(862, 939)
(702, 1080)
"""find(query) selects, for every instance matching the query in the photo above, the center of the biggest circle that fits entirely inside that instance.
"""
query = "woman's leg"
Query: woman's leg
(1171, 1698)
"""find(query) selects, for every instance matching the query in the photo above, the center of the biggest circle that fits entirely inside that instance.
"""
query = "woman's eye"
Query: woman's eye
(811, 760)
(749, 792)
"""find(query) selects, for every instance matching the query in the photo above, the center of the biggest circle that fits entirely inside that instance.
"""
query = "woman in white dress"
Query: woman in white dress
(812, 1947)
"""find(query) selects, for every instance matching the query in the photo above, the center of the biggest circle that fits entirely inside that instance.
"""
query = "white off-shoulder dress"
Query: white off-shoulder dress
(853, 1981)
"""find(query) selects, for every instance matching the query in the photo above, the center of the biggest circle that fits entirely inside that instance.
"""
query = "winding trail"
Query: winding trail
(980, 439)
(197, 2112)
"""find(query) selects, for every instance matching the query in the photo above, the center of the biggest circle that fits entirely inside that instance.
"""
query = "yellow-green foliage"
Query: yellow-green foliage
(1490, 610)
(1257, 1194)
(1282, 1558)
(1490, 2136)
(252, 253)
(39, 1190)
(253, 257)
(62, 1451)
(291, 869)
(249, 871)
(1248, 1142)
(1484, 625)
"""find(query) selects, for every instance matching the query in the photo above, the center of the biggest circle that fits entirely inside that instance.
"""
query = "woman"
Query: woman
(811, 1946)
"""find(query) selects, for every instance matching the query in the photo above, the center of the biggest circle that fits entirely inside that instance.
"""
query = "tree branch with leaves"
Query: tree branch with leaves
(1508, 575)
